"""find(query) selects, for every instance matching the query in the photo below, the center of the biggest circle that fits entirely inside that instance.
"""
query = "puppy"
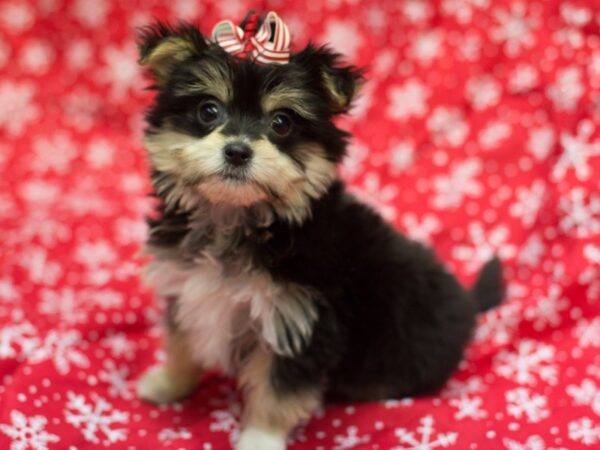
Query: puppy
(272, 271)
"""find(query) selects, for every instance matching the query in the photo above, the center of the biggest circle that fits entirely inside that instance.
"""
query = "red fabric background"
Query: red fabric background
(478, 132)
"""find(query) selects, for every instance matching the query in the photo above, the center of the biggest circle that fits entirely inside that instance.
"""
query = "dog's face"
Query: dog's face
(236, 132)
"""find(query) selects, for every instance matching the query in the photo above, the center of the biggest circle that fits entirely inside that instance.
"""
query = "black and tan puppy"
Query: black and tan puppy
(275, 274)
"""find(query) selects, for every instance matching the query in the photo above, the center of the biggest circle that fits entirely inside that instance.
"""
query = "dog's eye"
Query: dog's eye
(281, 123)
(209, 111)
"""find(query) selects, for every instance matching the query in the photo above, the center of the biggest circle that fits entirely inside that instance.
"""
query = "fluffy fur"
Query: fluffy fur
(276, 273)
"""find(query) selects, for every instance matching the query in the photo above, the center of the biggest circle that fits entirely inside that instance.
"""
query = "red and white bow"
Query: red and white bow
(270, 44)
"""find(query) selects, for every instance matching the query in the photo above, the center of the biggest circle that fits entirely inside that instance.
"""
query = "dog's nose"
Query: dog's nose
(237, 154)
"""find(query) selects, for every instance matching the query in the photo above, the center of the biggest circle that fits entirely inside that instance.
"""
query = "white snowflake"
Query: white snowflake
(426, 439)
(447, 126)
(78, 55)
(483, 92)
(534, 442)
(169, 435)
(120, 71)
(61, 348)
(36, 57)
(520, 403)
(53, 153)
(350, 439)
(354, 161)
(500, 324)
(85, 199)
(587, 394)
(61, 304)
(540, 142)
(515, 28)
(531, 361)
(588, 332)
(39, 193)
(585, 431)
(95, 253)
(591, 252)
(593, 70)
(344, 36)
(469, 47)
(484, 246)
(576, 17)
(421, 230)
(547, 310)
(468, 408)
(231, 8)
(187, 10)
(463, 10)
(130, 231)
(116, 378)
(426, 46)
(120, 346)
(17, 16)
(532, 251)
(17, 108)
(102, 298)
(401, 156)
(40, 225)
(417, 11)
(576, 152)
(456, 389)
(39, 269)
(28, 432)
(567, 89)
(100, 153)
(523, 78)
(408, 100)
(581, 218)
(529, 200)
(379, 197)
(493, 134)
(459, 183)
(96, 419)
(24, 335)
(91, 13)
(8, 291)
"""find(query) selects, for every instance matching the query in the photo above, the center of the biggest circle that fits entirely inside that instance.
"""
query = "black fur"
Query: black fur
(392, 322)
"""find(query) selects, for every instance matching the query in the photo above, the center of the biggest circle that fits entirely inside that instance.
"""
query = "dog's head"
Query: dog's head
(237, 132)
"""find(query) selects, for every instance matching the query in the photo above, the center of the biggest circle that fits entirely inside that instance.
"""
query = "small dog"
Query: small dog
(273, 272)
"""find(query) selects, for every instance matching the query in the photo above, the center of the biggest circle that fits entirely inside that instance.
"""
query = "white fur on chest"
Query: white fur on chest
(216, 307)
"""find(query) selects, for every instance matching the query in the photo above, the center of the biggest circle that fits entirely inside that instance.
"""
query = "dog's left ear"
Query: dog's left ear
(341, 82)
(163, 46)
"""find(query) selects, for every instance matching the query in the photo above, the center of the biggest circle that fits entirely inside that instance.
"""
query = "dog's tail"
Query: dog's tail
(488, 290)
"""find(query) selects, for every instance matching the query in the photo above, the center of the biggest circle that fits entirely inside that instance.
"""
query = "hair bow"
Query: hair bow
(269, 44)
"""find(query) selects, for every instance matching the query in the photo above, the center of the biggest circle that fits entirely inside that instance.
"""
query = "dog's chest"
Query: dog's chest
(222, 313)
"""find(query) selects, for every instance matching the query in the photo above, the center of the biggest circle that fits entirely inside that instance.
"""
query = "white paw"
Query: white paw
(257, 439)
(158, 385)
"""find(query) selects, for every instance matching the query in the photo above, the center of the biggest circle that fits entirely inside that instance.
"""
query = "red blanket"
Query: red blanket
(478, 133)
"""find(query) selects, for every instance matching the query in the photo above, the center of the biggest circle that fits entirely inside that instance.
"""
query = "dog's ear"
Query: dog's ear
(162, 47)
(341, 82)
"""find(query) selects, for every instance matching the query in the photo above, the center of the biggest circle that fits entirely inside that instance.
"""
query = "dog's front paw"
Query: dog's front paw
(257, 439)
(159, 385)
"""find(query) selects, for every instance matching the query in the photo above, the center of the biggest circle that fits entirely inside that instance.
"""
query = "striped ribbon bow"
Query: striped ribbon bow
(270, 44)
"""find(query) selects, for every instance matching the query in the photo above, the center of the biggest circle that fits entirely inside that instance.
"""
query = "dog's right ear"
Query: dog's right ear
(162, 47)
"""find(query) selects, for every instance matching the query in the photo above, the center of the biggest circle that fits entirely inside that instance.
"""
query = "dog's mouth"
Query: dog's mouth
(238, 176)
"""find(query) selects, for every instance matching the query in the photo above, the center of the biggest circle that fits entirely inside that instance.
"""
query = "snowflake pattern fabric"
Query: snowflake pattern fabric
(478, 133)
